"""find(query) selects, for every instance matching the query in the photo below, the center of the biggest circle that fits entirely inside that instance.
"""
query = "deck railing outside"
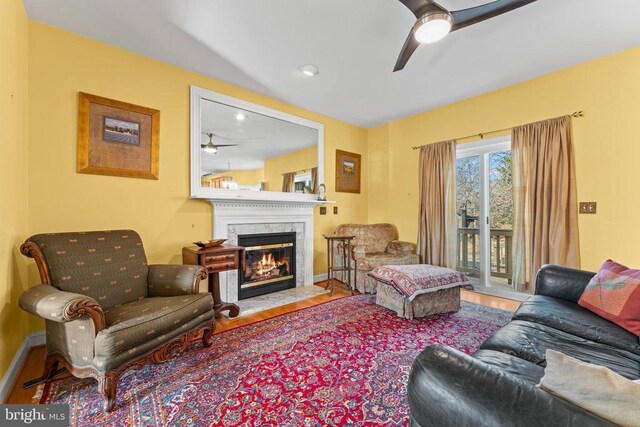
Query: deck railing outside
(500, 248)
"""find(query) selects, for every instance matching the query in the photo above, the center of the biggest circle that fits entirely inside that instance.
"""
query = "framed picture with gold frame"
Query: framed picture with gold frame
(117, 138)
(348, 168)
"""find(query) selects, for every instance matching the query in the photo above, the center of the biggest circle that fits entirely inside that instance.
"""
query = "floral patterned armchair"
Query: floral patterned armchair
(374, 245)
(106, 311)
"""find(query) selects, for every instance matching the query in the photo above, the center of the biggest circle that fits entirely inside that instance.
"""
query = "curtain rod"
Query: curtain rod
(575, 114)
(300, 171)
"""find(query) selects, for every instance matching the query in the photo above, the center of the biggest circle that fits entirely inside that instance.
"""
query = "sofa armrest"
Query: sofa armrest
(562, 282)
(168, 280)
(450, 388)
(399, 247)
(50, 303)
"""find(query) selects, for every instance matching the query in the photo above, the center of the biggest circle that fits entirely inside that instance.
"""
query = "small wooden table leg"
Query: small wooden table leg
(348, 257)
(326, 284)
(345, 277)
(331, 261)
(355, 276)
(219, 305)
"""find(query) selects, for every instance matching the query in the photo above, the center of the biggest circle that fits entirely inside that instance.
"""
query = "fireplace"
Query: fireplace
(270, 263)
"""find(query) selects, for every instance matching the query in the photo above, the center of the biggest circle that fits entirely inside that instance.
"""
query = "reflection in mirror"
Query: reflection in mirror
(246, 150)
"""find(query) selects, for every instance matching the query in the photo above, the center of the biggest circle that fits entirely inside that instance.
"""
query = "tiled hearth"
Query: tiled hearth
(276, 299)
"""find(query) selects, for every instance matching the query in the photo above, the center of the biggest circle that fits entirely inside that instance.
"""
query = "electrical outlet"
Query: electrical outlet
(323, 210)
(587, 207)
(335, 210)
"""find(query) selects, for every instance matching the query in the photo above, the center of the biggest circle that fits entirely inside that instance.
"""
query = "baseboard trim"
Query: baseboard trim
(319, 277)
(517, 296)
(33, 339)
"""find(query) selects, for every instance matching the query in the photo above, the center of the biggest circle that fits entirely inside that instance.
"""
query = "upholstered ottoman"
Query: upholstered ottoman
(418, 290)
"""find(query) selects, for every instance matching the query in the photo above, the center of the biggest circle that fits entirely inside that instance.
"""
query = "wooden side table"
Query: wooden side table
(216, 259)
(346, 261)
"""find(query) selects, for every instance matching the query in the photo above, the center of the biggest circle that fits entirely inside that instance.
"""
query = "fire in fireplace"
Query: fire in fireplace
(269, 267)
(269, 264)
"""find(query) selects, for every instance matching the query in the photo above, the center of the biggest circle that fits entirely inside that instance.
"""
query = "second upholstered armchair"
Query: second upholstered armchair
(106, 311)
(375, 245)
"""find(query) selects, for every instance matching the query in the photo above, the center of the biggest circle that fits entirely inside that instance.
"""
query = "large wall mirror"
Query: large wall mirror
(247, 151)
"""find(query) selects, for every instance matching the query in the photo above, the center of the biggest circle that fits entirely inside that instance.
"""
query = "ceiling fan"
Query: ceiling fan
(212, 148)
(435, 22)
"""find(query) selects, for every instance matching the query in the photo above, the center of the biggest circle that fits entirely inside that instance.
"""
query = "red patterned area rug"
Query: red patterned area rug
(341, 363)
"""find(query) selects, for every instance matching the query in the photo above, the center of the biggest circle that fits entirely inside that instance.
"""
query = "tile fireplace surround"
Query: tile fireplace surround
(233, 218)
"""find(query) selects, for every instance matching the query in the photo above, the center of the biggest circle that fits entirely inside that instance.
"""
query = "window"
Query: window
(302, 182)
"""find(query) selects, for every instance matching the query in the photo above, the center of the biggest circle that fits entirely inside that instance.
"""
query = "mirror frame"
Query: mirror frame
(197, 192)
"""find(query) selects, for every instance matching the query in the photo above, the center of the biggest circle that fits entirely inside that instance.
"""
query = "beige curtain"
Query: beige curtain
(314, 180)
(287, 181)
(437, 221)
(545, 228)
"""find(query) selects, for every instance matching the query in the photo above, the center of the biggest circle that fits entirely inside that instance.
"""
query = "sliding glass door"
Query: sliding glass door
(468, 212)
(484, 206)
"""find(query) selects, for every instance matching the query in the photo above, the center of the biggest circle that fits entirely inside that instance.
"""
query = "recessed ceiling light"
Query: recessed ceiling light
(310, 70)
(240, 116)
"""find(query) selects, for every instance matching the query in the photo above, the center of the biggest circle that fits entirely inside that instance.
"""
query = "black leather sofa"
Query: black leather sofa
(496, 386)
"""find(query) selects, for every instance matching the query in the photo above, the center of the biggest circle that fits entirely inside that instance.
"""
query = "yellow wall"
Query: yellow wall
(14, 173)
(63, 63)
(274, 167)
(607, 148)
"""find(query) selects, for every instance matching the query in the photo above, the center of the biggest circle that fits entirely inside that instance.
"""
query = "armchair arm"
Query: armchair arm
(51, 303)
(450, 388)
(359, 252)
(562, 282)
(168, 280)
(399, 247)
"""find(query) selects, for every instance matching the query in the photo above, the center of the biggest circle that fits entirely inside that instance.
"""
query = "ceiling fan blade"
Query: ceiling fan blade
(465, 17)
(420, 7)
(226, 145)
(238, 139)
(410, 45)
(203, 145)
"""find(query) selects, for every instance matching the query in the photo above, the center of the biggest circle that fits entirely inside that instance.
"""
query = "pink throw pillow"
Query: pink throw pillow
(614, 294)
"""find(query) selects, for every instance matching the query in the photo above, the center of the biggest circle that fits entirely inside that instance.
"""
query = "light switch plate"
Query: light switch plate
(323, 210)
(587, 207)
(335, 210)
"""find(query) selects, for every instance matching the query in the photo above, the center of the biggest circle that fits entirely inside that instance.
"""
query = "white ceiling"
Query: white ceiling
(258, 138)
(259, 45)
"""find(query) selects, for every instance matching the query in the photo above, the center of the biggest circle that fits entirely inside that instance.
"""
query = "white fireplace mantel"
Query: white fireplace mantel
(229, 212)
(223, 196)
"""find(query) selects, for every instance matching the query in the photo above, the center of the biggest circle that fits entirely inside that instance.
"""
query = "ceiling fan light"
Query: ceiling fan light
(210, 149)
(432, 27)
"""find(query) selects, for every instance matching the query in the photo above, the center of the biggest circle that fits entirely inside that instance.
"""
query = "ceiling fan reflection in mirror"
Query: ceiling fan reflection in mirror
(434, 22)
(212, 148)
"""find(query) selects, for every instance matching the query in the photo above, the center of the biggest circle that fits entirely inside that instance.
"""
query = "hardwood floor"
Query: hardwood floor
(32, 367)
(490, 300)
